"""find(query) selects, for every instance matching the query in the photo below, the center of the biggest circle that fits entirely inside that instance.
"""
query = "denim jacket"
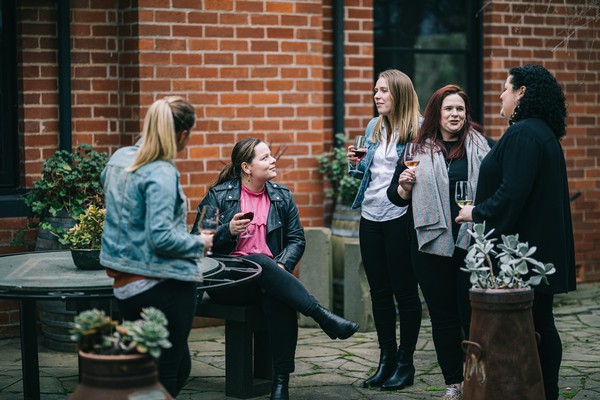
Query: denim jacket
(285, 235)
(145, 227)
(363, 168)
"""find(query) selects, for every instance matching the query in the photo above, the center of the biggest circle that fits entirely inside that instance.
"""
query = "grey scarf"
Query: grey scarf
(431, 198)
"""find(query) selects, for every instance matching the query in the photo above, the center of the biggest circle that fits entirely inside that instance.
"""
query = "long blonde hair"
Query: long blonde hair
(164, 120)
(405, 108)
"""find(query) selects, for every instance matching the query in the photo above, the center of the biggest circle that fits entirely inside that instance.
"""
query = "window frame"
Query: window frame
(473, 55)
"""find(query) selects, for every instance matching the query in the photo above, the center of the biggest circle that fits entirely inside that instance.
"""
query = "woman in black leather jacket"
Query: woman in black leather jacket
(273, 238)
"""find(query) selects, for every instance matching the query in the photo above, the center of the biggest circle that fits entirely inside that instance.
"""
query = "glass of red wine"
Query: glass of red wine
(248, 214)
(360, 149)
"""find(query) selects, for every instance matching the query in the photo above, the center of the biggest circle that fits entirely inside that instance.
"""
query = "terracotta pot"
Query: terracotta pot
(502, 357)
(119, 377)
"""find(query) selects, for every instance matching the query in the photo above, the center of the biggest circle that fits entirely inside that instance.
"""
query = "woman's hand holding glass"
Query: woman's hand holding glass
(407, 179)
(410, 158)
(463, 195)
(239, 223)
(357, 151)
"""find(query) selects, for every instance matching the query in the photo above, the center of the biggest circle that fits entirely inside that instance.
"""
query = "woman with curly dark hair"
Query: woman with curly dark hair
(523, 189)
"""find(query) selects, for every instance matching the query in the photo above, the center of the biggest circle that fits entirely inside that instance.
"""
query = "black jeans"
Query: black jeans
(385, 252)
(550, 346)
(280, 295)
(446, 291)
(177, 299)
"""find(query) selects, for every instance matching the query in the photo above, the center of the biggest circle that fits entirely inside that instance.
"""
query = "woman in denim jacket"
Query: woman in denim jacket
(145, 245)
(274, 239)
(383, 231)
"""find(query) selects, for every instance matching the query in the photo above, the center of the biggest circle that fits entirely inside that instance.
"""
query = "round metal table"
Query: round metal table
(28, 277)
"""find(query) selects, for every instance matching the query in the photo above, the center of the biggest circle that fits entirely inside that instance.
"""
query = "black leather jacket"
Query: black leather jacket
(285, 235)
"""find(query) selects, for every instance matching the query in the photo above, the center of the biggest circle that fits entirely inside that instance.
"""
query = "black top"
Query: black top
(523, 189)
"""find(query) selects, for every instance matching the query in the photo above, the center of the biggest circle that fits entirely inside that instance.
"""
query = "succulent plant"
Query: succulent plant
(513, 261)
(97, 333)
(89, 329)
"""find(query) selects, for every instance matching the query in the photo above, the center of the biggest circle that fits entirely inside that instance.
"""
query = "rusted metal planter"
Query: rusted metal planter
(119, 377)
(502, 358)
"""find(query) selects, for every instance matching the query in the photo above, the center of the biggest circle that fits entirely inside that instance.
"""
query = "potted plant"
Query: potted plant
(119, 361)
(334, 165)
(502, 359)
(70, 182)
(85, 238)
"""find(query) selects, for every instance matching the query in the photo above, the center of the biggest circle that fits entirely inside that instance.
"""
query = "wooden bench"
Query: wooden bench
(248, 364)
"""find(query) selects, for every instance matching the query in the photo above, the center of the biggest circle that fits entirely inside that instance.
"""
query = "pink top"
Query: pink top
(259, 203)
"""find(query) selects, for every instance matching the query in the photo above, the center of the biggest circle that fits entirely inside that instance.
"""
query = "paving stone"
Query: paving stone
(333, 369)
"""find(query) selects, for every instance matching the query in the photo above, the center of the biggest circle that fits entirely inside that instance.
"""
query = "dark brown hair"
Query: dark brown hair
(243, 152)
(430, 129)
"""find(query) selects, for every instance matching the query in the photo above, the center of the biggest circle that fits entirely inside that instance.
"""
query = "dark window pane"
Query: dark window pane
(435, 42)
(428, 72)
(420, 24)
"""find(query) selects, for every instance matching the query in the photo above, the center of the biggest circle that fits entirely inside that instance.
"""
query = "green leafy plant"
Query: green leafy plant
(97, 333)
(513, 259)
(334, 165)
(69, 182)
(87, 234)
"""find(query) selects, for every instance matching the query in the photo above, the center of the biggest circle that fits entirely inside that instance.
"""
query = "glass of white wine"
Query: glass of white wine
(209, 221)
(463, 195)
(410, 156)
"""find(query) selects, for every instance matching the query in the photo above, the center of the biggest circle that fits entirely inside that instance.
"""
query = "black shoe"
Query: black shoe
(279, 390)
(387, 363)
(333, 325)
(403, 374)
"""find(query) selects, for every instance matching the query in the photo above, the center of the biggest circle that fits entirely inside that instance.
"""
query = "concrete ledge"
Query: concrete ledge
(357, 299)
(316, 269)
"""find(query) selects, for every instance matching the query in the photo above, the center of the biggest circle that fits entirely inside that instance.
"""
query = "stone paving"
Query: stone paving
(327, 369)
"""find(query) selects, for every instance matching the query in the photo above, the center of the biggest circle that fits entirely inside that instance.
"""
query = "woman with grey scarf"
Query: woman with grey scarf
(451, 149)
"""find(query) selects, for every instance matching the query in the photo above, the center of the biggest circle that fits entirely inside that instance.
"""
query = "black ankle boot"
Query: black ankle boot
(333, 325)
(403, 374)
(387, 363)
(279, 390)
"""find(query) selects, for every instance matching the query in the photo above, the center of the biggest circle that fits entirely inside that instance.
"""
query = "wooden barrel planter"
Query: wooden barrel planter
(502, 358)
(46, 240)
(56, 322)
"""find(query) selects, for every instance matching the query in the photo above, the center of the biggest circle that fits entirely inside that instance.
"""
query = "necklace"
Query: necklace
(448, 164)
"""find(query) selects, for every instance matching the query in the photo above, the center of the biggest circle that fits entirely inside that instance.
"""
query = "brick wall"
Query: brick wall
(264, 68)
(251, 68)
(564, 38)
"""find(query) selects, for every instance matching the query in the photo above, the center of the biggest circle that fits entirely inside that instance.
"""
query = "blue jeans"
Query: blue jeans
(177, 299)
